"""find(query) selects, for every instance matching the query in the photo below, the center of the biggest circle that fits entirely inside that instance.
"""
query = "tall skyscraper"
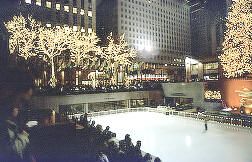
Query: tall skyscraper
(207, 26)
(158, 29)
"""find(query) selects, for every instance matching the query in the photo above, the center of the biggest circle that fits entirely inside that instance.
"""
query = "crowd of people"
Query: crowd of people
(51, 144)
(106, 148)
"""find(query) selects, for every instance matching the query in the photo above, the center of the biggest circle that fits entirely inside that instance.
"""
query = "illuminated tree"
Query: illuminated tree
(84, 50)
(53, 42)
(137, 68)
(23, 35)
(236, 59)
(117, 54)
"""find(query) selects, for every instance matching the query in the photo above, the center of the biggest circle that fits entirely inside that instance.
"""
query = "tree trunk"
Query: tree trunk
(53, 79)
(76, 76)
(53, 69)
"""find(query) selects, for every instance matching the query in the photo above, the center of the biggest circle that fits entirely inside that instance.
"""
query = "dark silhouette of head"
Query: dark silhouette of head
(9, 109)
(15, 82)
(157, 159)
(139, 143)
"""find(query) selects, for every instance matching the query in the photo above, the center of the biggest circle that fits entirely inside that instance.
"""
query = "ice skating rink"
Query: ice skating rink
(178, 139)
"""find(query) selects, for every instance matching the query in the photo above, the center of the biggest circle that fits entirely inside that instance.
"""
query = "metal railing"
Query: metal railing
(117, 111)
(245, 123)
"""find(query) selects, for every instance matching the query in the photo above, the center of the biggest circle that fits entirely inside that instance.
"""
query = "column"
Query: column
(85, 107)
(128, 104)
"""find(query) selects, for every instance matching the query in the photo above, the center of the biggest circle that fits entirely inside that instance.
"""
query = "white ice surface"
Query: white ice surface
(178, 139)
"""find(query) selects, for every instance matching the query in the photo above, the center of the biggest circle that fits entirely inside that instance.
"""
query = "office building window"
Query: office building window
(75, 28)
(82, 12)
(82, 30)
(90, 13)
(66, 27)
(66, 8)
(48, 4)
(75, 10)
(90, 30)
(38, 2)
(28, 1)
(57, 6)
(49, 25)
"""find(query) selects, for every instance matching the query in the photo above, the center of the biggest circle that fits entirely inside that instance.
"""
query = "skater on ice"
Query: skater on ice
(206, 126)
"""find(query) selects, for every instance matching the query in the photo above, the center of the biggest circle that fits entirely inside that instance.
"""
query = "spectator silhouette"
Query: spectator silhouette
(112, 138)
(101, 157)
(14, 142)
(157, 159)
(15, 90)
(137, 154)
(147, 158)
(85, 120)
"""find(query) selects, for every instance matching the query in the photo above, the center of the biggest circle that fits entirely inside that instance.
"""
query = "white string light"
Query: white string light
(117, 54)
(236, 59)
(23, 34)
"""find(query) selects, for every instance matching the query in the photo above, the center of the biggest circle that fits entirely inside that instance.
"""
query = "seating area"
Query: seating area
(88, 143)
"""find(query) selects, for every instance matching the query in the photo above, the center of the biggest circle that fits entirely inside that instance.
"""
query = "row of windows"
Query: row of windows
(160, 11)
(164, 38)
(141, 45)
(71, 19)
(170, 49)
(147, 3)
(165, 44)
(68, 18)
(59, 6)
(163, 28)
(163, 47)
(154, 20)
(75, 10)
(171, 44)
(39, 2)
(162, 14)
(74, 28)
(155, 36)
